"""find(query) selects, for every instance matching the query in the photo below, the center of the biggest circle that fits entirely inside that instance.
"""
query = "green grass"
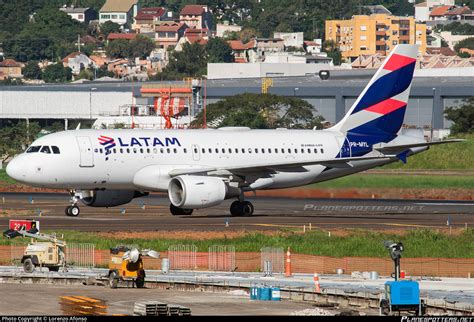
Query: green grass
(398, 181)
(4, 178)
(418, 243)
(452, 156)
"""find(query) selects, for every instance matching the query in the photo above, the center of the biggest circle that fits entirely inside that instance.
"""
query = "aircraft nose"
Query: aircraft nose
(14, 170)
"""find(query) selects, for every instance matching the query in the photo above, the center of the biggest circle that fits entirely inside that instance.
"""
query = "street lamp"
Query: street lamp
(432, 113)
(90, 101)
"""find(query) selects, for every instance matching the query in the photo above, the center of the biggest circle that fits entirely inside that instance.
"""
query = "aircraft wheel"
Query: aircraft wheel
(176, 211)
(73, 211)
(235, 209)
(247, 208)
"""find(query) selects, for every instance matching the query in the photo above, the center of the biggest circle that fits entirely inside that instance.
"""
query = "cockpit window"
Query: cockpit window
(33, 149)
(55, 149)
(45, 149)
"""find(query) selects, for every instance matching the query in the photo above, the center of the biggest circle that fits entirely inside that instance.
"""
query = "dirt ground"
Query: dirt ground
(23, 299)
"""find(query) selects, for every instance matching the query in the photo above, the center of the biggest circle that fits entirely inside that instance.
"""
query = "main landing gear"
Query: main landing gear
(73, 210)
(176, 211)
(241, 208)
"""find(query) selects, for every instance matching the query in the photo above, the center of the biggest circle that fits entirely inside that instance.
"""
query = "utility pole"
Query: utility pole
(79, 42)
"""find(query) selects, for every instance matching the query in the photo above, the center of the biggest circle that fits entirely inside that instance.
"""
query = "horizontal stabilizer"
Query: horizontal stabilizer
(386, 148)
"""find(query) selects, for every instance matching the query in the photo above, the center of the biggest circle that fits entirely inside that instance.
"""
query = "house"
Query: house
(225, 28)
(458, 13)
(146, 18)
(99, 61)
(193, 36)
(267, 45)
(114, 36)
(240, 50)
(84, 15)
(168, 34)
(196, 16)
(119, 11)
(422, 12)
(313, 47)
(9, 68)
(77, 61)
(290, 39)
(445, 51)
(439, 13)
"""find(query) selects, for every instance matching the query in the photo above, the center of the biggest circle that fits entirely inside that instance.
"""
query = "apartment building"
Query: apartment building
(377, 33)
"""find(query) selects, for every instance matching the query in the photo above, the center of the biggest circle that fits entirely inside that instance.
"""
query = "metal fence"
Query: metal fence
(16, 253)
(182, 256)
(80, 255)
(221, 258)
(275, 256)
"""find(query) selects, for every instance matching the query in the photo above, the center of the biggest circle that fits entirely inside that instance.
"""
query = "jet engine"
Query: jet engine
(109, 198)
(194, 192)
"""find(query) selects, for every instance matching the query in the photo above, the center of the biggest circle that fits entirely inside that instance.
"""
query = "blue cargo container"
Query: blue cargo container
(276, 294)
(254, 293)
(265, 294)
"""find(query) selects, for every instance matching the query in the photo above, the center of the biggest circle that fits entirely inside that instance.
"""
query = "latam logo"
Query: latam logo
(108, 143)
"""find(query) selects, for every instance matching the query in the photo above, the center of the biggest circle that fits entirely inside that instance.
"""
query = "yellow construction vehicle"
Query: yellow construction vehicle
(126, 265)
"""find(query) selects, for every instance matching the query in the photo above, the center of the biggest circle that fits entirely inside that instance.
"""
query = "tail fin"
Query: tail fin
(377, 114)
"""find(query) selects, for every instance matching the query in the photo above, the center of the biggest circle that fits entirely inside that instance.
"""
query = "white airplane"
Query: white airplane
(202, 168)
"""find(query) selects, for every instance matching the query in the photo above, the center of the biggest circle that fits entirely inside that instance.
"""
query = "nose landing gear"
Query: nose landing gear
(73, 210)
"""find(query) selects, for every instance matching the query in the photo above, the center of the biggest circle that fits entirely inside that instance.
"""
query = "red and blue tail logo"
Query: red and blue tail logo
(108, 143)
(377, 114)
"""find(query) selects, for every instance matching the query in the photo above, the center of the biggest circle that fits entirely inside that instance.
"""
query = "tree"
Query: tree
(219, 51)
(57, 73)
(333, 51)
(189, 62)
(261, 111)
(109, 27)
(465, 43)
(15, 137)
(141, 46)
(119, 48)
(462, 116)
(32, 70)
(248, 34)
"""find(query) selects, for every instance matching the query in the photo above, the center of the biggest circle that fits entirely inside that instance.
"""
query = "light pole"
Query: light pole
(90, 101)
(432, 113)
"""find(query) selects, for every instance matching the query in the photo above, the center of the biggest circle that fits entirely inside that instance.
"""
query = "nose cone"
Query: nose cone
(14, 170)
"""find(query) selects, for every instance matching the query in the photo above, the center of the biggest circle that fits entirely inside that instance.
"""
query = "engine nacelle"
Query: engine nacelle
(194, 192)
(109, 198)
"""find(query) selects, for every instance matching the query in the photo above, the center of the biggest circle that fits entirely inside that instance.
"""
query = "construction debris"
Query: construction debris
(154, 308)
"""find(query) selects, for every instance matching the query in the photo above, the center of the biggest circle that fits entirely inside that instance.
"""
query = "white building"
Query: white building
(290, 39)
(451, 39)
(77, 62)
(258, 70)
(221, 29)
(80, 14)
(119, 11)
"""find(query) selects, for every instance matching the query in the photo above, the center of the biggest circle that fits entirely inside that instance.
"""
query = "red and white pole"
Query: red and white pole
(288, 263)
(317, 287)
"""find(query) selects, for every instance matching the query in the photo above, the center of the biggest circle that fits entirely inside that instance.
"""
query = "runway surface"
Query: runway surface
(151, 213)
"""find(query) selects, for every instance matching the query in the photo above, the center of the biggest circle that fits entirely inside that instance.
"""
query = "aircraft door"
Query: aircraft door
(196, 152)
(85, 151)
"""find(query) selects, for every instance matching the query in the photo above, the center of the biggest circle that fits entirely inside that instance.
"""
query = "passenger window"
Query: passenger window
(115, 151)
(100, 150)
(167, 150)
(276, 150)
(175, 150)
(134, 150)
(185, 150)
(296, 150)
(322, 150)
(195, 150)
(302, 150)
(315, 150)
(236, 150)
(128, 151)
(33, 149)
(269, 150)
(161, 150)
(282, 150)
(96, 150)
(289, 150)
(263, 150)
(250, 150)
(155, 150)
(309, 150)
(217, 150)
(223, 150)
(256, 150)
(210, 150)
(147, 151)
(243, 150)
(46, 149)
(55, 150)
(203, 150)
(121, 150)
(141, 150)
(230, 150)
